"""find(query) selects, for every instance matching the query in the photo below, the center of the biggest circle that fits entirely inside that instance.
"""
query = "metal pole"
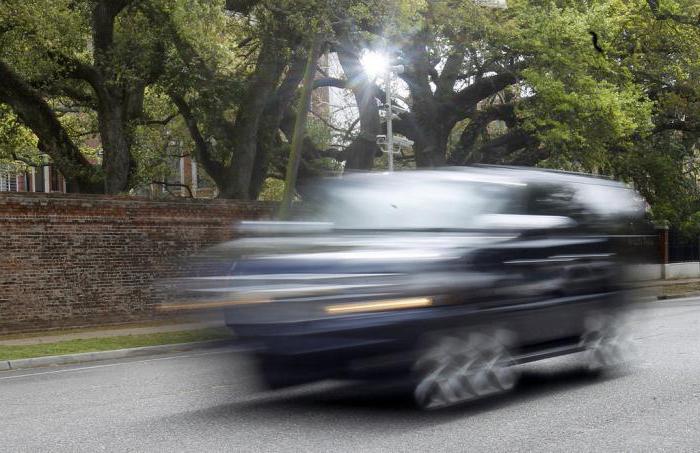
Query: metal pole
(389, 117)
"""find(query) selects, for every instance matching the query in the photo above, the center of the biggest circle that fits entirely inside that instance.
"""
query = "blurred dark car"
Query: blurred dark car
(447, 279)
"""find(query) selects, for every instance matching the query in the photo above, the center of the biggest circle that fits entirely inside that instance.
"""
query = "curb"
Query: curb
(84, 357)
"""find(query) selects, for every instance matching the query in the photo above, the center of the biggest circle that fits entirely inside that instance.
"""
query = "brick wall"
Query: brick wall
(75, 260)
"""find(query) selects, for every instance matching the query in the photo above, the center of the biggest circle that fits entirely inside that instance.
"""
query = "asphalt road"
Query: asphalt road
(208, 401)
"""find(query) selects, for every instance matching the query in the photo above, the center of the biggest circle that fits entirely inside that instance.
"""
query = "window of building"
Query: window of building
(8, 181)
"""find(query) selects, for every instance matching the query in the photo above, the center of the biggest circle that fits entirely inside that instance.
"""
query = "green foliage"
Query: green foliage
(34, 32)
(272, 190)
(157, 146)
(690, 226)
(17, 143)
(319, 132)
(631, 111)
(579, 103)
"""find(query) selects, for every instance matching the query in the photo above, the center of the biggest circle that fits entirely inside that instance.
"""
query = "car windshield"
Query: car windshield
(411, 204)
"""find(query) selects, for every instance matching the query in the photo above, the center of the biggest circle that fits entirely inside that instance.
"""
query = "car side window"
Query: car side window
(555, 200)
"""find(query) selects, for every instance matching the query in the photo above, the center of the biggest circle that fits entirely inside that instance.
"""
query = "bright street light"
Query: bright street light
(374, 63)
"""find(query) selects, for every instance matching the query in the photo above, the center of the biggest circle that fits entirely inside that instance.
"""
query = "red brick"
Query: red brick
(75, 260)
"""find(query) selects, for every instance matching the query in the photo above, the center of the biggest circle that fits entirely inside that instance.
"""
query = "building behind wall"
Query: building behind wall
(45, 179)
(185, 178)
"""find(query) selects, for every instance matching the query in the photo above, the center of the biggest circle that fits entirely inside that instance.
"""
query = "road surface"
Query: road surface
(207, 401)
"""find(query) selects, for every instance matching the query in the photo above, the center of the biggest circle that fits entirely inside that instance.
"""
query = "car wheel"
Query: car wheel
(606, 343)
(456, 368)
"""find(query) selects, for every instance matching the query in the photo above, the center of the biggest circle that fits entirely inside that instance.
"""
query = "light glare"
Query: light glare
(374, 63)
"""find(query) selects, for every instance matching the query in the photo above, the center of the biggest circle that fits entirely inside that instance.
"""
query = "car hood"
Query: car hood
(347, 265)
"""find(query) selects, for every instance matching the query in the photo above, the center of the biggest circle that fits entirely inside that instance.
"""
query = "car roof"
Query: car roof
(520, 176)
(544, 175)
(592, 191)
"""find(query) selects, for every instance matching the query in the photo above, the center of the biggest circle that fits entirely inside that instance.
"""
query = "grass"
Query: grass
(110, 343)
(70, 330)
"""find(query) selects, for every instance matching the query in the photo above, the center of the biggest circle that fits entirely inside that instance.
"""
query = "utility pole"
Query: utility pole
(389, 117)
(390, 113)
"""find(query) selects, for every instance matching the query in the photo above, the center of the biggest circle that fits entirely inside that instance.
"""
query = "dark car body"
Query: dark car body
(394, 261)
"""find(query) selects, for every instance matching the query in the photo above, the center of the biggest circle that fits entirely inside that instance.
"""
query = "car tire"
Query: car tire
(456, 368)
(606, 343)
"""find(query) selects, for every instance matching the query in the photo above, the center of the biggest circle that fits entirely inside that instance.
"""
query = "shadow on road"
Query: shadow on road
(359, 406)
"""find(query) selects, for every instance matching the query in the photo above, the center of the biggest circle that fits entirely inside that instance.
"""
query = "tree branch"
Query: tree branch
(450, 72)
(330, 82)
(465, 101)
(166, 184)
(675, 125)
(79, 70)
(54, 140)
(350, 129)
(327, 123)
(188, 54)
(244, 42)
(497, 150)
(25, 161)
(360, 154)
(162, 122)
(204, 156)
(475, 128)
(103, 15)
(681, 19)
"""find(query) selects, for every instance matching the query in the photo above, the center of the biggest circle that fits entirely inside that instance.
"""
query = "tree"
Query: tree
(531, 67)
(108, 77)
(226, 110)
(663, 56)
(238, 104)
(524, 86)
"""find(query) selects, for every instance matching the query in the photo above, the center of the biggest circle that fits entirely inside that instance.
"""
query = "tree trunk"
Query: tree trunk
(119, 100)
(269, 141)
(244, 135)
(432, 131)
(431, 151)
(361, 153)
(116, 160)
